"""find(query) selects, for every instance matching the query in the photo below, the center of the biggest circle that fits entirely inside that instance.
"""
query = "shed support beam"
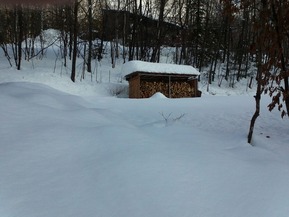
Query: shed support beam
(170, 94)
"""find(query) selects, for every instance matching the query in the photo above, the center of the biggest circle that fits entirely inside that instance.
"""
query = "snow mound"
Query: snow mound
(158, 95)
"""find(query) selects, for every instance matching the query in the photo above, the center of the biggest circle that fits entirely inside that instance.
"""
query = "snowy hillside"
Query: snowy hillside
(74, 149)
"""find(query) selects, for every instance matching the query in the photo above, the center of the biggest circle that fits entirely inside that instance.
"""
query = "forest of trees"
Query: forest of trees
(249, 37)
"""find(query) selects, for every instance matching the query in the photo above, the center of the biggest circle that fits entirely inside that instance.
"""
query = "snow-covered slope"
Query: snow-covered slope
(74, 149)
(64, 155)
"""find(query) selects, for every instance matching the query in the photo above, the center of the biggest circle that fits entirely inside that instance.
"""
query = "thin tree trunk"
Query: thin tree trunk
(84, 62)
(257, 109)
(89, 36)
(259, 91)
(20, 36)
(75, 31)
(257, 100)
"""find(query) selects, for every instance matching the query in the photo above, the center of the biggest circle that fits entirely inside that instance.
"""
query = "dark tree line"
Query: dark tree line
(203, 32)
(19, 27)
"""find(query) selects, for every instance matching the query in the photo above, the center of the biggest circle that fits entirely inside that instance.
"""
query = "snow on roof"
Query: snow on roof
(141, 66)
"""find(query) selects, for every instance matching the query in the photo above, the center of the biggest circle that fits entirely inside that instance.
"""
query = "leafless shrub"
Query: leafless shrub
(168, 119)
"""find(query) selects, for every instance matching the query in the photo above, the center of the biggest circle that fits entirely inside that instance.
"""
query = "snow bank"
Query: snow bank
(64, 156)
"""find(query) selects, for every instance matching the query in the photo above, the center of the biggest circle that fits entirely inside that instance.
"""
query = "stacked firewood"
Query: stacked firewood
(181, 89)
(174, 90)
(147, 89)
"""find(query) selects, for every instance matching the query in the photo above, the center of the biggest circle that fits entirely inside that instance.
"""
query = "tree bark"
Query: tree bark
(257, 98)
(89, 36)
(20, 36)
(75, 31)
(259, 44)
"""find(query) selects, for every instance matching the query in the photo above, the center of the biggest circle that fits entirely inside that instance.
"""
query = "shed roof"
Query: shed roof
(148, 67)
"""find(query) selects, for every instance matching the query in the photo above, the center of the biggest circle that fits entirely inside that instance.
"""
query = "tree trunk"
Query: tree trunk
(20, 36)
(259, 44)
(75, 31)
(89, 36)
(257, 98)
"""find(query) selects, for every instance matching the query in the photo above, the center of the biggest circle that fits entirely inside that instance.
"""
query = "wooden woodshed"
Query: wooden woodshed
(174, 81)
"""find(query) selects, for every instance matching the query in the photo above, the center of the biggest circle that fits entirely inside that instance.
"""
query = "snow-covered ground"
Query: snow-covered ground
(74, 149)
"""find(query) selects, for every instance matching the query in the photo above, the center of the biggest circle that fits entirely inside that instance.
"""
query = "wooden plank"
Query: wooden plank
(134, 87)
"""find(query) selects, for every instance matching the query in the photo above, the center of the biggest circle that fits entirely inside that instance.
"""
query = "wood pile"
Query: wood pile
(181, 89)
(147, 89)
(175, 89)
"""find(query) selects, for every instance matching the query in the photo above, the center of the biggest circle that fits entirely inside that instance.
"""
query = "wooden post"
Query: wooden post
(170, 86)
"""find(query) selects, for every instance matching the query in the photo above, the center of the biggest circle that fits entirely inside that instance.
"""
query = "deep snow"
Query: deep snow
(70, 150)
